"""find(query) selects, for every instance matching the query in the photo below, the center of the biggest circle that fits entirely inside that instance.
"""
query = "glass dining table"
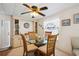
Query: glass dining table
(38, 42)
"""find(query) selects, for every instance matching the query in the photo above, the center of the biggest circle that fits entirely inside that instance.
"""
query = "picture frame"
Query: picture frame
(76, 18)
(66, 22)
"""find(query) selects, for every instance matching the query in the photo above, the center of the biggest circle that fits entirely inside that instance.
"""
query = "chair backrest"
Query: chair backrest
(32, 35)
(48, 33)
(51, 44)
(27, 36)
(24, 42)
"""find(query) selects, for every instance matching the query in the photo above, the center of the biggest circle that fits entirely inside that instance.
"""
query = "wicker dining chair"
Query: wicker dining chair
(49, 48)
(27, 47)
(47, 33)
(33, 36)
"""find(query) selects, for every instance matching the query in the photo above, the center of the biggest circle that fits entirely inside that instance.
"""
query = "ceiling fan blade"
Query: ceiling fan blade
(26, 5)
(26, 12)
(43, 8)
(41, 13)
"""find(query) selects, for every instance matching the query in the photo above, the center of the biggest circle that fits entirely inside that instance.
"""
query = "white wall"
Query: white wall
(25, 30)
(40, 29)
(67, 32)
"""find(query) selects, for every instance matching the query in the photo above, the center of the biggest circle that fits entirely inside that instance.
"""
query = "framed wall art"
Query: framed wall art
(26, 25)
(66, 22)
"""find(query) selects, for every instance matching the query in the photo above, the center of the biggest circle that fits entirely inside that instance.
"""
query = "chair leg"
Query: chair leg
(37, 52)
(24, 53)
(54, 54)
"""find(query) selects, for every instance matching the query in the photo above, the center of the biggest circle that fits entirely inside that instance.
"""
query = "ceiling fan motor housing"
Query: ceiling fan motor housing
(34, 8)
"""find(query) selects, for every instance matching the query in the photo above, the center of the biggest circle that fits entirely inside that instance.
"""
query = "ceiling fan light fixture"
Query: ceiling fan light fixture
(34, 14)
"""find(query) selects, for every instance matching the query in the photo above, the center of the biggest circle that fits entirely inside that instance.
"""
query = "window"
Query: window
(16, 26)
(52, 26)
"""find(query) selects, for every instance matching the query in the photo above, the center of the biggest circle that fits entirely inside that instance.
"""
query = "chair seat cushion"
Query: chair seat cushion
(16, 41)
(76, 52)
(14, 52)
(43, 49)
(31, 47)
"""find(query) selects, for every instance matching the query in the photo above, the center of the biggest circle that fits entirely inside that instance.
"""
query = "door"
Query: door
(0, 33)
(5, 34)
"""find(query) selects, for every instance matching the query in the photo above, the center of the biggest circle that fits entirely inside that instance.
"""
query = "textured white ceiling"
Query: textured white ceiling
(17, 8)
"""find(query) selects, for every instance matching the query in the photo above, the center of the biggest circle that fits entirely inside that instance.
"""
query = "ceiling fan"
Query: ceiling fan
(35, 9)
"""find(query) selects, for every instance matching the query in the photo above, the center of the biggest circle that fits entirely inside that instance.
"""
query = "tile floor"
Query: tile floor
(19, 52)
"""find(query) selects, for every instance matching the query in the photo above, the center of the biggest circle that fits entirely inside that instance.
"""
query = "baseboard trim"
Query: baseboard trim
(70, 54)
(3, 49)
